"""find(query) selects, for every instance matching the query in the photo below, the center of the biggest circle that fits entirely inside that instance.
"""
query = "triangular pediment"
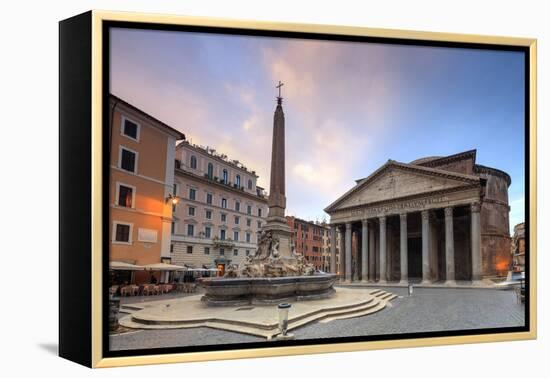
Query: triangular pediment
(396, 180)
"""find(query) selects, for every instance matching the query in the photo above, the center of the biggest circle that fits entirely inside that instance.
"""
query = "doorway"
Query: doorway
(414, 257)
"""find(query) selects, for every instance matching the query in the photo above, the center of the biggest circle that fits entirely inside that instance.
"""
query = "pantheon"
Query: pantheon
(434, 220)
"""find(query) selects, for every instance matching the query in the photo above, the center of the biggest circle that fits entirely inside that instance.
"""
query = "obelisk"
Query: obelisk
(276, 221)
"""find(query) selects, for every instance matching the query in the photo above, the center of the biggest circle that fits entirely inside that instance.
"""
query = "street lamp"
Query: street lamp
(173, 199)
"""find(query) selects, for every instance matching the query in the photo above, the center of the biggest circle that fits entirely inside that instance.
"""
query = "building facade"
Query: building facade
(434, 219)
(308, 239)
(518, 248)
(142, 155)
(221, 209)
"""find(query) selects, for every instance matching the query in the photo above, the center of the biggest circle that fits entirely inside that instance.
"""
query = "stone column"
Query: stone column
(383, 251)
(476, 242)
(342, 262)
(348, 252)
(404, 261)
(425, 246)
(372, 257)
(333, 249)
(364, 250)
(449, 247)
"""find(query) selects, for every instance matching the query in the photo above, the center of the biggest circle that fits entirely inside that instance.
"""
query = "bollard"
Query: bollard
(283, 309)
(114, 306)
(410, 290)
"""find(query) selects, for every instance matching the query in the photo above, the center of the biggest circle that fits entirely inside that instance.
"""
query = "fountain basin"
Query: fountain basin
(266, 290)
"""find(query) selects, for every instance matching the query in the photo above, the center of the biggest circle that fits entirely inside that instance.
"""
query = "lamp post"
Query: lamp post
(173, 199)
(283, 322)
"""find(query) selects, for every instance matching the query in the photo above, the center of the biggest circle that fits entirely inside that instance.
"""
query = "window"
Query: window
(225, 176)
(237, 206)
(236, 235)
(259, 224)
(192, 194)
(249, 210)
(208, 214)
(237, 219)
(209, 198)
(249, 184)
(206, 250)
(248, 237)
(130, 129)
(207, 232)
(189, 249)
(190, 230)
(125, 196)
(172, 248)
(238, 181)
(223, 217)
(235, 252)
(210, 170)
(247, 252)
(173, 228)
(248, 222)
(222, 251)
(191, 211)
(193, 163)
(222, 234)
(122, 233)
(259, 212)
(128, 160)
(224, 203)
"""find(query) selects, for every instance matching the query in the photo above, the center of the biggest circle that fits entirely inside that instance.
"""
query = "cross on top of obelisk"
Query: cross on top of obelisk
(279, 98)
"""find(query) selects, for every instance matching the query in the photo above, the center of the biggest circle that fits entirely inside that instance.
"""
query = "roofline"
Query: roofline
(178, 134)
(497, 172)
(201, 150)
(412, 196)
(412, 167)
(182, 172)
(308, 222)
(449, 158)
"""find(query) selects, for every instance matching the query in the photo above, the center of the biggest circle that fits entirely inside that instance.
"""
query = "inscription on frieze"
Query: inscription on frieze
(397, 207)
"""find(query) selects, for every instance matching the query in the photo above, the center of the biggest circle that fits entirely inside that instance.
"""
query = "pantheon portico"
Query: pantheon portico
(438, 219)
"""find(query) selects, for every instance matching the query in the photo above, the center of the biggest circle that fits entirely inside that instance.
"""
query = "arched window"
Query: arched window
(250, 184)
(238, 181)
(225, 180)
(193, 162)
(210, 170)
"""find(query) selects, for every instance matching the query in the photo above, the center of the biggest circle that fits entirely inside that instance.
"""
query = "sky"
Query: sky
(349, 107)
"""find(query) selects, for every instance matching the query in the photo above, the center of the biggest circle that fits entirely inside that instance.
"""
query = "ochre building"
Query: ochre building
(436, 219)
(142, 158)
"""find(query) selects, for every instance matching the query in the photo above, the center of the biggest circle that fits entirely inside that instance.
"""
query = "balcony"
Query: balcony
(223, 243)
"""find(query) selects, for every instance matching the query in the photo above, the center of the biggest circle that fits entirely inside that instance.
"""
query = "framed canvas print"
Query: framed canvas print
(234, 189)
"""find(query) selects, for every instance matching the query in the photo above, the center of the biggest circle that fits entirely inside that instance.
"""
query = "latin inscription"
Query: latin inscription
(397, 207)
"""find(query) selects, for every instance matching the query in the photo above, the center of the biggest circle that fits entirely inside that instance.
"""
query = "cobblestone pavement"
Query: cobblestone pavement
(427, 310)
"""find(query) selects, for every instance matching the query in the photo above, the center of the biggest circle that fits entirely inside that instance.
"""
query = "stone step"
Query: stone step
(380, 306)
(329, 313)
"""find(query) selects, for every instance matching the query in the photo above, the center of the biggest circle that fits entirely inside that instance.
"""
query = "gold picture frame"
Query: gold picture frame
(92, 25)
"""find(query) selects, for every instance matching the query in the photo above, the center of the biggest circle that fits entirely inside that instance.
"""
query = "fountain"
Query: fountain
(275, 272)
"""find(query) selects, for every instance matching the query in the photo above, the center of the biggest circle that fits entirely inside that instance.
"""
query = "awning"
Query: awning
(202, 270)
(164, 267)
(119, 265)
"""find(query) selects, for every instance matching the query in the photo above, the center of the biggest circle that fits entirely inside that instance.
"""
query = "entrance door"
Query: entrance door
(414, 257)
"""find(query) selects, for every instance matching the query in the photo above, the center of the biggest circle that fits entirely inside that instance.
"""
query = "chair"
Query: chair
(147, 289)
(125, 291)
(135, 290)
